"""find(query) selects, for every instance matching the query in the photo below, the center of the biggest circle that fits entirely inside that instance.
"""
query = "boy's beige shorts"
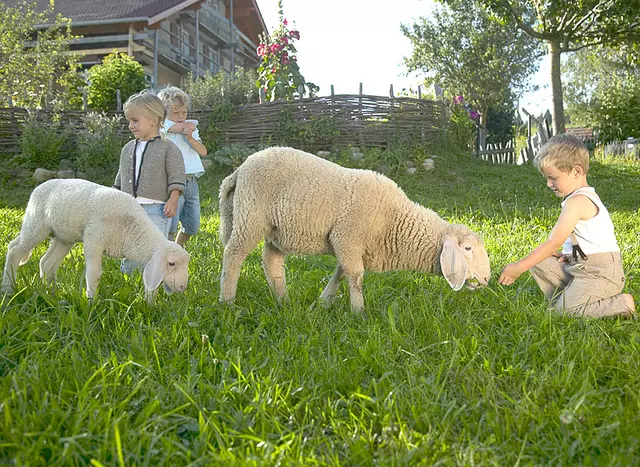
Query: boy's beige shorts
(590, 287)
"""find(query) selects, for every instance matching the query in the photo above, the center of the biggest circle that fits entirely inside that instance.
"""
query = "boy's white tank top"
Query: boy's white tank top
(595, 235)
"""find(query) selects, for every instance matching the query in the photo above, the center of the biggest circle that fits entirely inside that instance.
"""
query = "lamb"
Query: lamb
(302, 204)
(106, 221)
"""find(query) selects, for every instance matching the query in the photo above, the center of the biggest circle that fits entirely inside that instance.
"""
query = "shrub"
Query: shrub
(222, 89)
(315, 133)
(117, 71)
(42, 144)
(99, 147)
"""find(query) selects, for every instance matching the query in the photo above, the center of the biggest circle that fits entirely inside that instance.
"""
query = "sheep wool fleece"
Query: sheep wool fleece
(304, 204)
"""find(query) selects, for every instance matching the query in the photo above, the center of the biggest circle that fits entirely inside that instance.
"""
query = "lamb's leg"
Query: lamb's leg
(14, 253)
(273, 264)
(19, 250)
(329, 292)
(51, 260)
(93, 261)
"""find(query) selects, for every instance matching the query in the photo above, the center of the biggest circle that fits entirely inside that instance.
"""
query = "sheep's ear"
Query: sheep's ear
(154, 271)
(452, 263)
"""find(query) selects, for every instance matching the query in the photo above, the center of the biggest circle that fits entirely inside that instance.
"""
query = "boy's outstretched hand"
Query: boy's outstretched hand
(509, 274)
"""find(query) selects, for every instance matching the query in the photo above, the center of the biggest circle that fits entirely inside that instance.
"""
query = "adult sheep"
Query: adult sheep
(106, 221)
(302, 204)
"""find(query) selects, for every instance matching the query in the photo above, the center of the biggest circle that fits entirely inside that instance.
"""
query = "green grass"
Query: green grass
(428, 376)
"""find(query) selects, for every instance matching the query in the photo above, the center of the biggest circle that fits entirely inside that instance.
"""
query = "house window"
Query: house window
(192, 47)
(173, 32)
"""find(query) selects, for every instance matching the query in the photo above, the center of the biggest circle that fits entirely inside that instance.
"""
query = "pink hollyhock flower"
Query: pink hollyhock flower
(284, 40)
(295, 34)
(285, 60)
(474, 115)
(285, 22)
(458, 100)
(274, 48)
(273, 70)
(262, 49)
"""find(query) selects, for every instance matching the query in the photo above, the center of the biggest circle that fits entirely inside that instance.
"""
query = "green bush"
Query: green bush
(43, 144)
(212, 91)
(313, 134)
(99, 147)
(117, 71)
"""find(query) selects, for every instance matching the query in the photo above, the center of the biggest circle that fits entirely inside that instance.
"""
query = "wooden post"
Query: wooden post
(419, 92)
(263, 96)
(9, 101)
(477, 139)
(84, 98)
(361, 117)
(332, 93)
(130, 42)
(391, 91)
(118, 101)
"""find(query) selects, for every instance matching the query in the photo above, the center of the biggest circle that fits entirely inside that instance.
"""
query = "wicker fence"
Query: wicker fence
(362, 120)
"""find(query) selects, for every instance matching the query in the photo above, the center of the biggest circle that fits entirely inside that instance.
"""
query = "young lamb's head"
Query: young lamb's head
(463, 260)
(168, 265)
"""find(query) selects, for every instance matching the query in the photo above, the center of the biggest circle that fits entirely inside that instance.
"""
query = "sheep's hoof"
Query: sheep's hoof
(325, 302)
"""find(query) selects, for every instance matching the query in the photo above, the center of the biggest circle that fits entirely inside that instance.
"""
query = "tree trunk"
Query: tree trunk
(556, 88)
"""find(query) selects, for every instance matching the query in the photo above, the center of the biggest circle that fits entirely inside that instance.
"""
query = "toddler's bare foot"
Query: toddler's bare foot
(631, 305)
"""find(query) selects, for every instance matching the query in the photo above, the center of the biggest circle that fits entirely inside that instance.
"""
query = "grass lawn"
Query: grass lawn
(427, 376)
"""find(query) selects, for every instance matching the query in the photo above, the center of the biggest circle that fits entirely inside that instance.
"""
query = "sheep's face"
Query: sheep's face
(176, 269)
(168, 266)
(477, 259)
(463, 260)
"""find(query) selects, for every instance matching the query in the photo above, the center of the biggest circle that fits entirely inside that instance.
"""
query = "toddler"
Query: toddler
(184, 133)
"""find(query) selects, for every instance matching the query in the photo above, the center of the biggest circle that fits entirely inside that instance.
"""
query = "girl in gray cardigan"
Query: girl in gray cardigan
(151, 169)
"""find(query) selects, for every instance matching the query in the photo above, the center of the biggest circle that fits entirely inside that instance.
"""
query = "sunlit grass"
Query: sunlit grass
(425, 376)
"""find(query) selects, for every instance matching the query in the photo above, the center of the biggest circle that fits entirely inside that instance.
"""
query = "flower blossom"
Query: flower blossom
(458, 100)
(295, 34)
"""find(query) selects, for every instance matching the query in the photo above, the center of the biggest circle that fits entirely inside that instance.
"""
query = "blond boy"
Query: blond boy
(184, 133)
(586, 278)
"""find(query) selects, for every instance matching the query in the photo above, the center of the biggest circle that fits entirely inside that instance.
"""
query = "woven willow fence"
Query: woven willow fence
(362, 120)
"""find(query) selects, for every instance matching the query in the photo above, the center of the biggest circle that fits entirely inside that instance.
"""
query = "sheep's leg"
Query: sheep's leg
(14, 253)
(93, 261)
(273, 264)
(355, 277)
(329, 292)
(51, 260)
(235, 252)
(18, 252)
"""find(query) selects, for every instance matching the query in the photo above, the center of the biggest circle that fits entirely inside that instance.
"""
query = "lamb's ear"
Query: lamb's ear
(154, 271)
(452, 263)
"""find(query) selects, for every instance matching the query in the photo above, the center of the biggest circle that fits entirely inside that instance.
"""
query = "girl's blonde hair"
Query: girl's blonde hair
(172, 95)
(149, 105)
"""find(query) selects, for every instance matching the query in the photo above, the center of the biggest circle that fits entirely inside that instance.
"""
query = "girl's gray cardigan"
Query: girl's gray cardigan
(161, 172)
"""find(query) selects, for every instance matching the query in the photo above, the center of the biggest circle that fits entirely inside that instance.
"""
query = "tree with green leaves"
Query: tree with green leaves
(35, 68)
(567, 26)
(468, 54)
(117, 71)
(603, 90)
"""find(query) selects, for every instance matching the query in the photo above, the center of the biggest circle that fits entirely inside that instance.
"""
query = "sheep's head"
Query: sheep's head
(463, 260)
(168, 265)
